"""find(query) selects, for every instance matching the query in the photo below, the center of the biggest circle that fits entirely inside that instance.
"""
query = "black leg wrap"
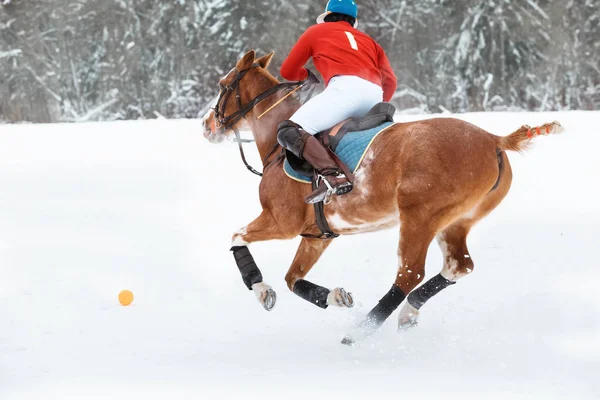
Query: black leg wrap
(248, 268)
(386, 306)
(312, 293)
(419, 296)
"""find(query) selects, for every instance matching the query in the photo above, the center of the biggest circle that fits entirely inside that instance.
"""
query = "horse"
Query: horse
(434, 178)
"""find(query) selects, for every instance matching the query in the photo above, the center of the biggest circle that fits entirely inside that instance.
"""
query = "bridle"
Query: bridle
(227, 122)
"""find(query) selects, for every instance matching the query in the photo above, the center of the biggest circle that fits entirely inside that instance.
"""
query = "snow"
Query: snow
(462, 50)
(90, 209)
(10, 53)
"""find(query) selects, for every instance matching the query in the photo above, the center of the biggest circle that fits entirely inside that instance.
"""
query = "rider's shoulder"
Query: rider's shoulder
(312, 32)
(315, 28)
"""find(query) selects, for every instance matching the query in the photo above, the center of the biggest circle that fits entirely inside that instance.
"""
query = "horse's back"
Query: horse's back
(438, 155)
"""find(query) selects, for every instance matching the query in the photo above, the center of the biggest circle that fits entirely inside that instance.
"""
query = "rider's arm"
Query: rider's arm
(388, 78)
(292, 68)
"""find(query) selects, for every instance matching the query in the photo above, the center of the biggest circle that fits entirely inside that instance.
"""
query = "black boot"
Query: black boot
(303, 145)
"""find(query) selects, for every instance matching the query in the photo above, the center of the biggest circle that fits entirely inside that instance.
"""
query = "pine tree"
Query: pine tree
(127, 59)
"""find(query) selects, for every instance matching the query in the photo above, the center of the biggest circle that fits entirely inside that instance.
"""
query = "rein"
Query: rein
(227, 122)
(240, 141)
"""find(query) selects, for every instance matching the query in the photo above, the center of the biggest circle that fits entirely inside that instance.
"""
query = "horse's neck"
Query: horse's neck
(264, 129)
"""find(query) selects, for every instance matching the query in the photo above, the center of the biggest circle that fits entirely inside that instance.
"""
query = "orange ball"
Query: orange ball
(125, 297)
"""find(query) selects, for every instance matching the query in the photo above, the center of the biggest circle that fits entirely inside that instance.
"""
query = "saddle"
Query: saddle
(378, 115)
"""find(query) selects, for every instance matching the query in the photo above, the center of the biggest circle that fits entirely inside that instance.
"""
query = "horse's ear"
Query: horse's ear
(264, 61)
(246, 61)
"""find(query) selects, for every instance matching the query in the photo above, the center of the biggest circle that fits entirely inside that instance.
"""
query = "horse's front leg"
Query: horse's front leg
(261, 229)
(308, 254)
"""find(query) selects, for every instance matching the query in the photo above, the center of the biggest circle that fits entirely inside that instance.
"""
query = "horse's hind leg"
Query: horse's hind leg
(415, 237)
(308, 254)
(453, 242)
(262, 228)
(457, 263)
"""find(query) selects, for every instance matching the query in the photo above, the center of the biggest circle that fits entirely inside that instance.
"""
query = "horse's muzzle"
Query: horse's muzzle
(215, 138)
(209, 132)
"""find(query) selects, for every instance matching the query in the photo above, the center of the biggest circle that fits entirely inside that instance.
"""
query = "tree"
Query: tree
(128, 59)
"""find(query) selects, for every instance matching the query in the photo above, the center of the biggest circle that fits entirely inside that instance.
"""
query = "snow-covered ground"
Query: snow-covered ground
(89, 209)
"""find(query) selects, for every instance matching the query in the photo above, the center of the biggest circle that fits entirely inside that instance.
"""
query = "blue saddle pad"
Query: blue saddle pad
(351, 150)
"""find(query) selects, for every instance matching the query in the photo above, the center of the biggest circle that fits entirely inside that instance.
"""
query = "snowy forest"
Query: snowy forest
(78, 60)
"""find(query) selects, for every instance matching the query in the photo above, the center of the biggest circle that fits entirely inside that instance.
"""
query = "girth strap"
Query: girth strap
(322, 224)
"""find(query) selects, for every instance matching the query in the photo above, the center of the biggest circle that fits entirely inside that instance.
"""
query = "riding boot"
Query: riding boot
(331, 179)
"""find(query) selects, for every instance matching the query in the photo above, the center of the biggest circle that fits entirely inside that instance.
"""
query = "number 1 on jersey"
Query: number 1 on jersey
(352, 41)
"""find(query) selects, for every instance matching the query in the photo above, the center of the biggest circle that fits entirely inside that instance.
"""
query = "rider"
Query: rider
(357, 74)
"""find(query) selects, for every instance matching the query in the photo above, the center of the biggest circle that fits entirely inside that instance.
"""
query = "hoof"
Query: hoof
(408, 317)
(407, 325)
(269, 298)
(339, 297)
(265, 295)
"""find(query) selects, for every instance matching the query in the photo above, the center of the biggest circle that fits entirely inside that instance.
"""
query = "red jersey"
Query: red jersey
(339, 49)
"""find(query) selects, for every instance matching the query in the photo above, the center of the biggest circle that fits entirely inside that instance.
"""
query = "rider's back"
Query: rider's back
(339, 49)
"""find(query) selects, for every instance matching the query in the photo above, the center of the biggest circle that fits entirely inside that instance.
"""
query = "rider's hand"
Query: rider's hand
(311, 79)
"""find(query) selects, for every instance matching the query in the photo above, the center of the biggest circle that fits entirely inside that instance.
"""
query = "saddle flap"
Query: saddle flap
(300, 166)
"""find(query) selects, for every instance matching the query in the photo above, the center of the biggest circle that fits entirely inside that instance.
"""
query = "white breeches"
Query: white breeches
(345, 97)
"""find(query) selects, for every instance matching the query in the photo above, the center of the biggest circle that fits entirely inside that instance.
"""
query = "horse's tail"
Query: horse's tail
(519, 140)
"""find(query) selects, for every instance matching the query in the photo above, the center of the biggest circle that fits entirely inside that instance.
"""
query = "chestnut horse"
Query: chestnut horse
(434, 178)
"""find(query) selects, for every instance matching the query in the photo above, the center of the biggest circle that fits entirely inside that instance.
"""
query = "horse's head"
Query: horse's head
(237, 96)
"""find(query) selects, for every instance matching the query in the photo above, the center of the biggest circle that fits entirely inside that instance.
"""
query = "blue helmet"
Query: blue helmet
(347, 7)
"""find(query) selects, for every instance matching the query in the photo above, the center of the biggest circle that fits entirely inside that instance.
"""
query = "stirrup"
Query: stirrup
(331, 190)
(341, 188)
(322, 178)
